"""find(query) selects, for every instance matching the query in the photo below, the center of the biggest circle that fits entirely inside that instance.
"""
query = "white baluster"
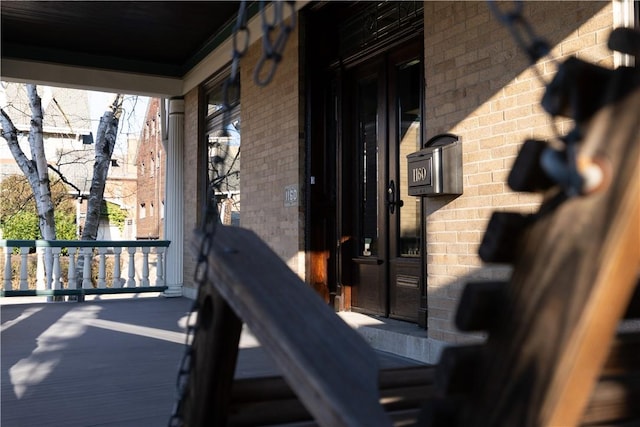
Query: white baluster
(48, 267)
(72, 281)
(55, 272)
(131, 283)
(145, 266)
(86, 268)
(24, 273)
(117, 281)
(7, 268)
(102, 269)
(40, 283)
(160, 266)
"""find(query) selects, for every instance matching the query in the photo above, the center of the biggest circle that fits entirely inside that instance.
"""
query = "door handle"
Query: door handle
(391, 197)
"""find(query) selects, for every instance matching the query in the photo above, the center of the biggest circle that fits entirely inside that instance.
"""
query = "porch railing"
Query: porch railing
(142, 262)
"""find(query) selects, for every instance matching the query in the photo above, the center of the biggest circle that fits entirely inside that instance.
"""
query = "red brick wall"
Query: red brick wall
(151, 176)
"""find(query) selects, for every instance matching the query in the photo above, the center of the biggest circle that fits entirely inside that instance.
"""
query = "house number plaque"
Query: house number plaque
(291, 195)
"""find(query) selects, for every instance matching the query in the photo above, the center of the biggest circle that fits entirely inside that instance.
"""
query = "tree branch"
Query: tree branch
(10, 134)
(64, 179)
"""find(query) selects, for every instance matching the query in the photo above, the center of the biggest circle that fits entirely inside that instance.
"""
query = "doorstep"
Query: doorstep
(394, 336)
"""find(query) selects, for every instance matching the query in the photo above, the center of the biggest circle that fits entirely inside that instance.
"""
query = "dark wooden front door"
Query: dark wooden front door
(382, 126)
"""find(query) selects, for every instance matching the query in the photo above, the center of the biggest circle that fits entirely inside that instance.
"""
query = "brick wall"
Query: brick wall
(271, 154)
(192, 180)
(151, 172)
(479, 85)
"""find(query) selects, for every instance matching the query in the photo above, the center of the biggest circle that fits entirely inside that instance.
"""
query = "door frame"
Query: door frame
(353, 266)
(366, 268)
(408, 267)
(329, 239)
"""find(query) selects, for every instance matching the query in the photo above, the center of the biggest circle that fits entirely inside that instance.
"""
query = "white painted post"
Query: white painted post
(174, 196)
(131, 283)
(117, 281)
(55, 274)
(102, 269)
(40, 283)
(145, 266)
(73, 282)
(7, 268)
(160, 266)
(87, 253)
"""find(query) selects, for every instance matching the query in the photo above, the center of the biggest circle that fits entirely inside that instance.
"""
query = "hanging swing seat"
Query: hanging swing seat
(554, 353)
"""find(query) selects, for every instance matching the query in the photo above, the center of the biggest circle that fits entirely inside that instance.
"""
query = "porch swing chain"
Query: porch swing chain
(535, 47)
(272, 52)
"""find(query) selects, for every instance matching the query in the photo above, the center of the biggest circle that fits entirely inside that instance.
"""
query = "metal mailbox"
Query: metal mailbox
(436, 170)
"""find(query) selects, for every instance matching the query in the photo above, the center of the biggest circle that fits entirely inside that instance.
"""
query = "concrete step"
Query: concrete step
(394, 336)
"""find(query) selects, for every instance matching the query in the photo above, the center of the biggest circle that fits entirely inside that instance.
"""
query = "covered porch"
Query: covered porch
(112, 361)
(127, 48)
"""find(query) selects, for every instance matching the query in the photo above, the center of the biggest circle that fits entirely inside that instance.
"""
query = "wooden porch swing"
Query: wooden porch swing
(554, 354)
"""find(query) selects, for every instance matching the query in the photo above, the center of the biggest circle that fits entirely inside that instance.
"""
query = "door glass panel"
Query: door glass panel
(367, 102)
(409, 141)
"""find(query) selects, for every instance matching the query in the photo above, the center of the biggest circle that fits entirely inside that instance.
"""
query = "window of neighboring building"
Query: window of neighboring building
(223, 148)
(143, 211)
(162, 210)
(151, 211)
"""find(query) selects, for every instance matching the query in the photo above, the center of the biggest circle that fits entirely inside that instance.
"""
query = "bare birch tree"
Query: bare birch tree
(105, 143)
(35, 169)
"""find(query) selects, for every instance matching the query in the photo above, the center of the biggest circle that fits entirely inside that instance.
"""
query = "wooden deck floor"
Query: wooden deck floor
(102, 363)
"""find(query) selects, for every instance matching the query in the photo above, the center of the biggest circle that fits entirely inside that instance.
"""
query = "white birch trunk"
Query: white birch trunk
(36, 143)
(105, 143)
(35, 170)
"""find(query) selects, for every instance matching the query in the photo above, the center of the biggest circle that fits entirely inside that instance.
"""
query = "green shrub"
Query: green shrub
(65, 226)
(21, 226)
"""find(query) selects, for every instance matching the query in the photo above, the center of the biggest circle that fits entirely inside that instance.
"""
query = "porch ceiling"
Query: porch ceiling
(111, 45)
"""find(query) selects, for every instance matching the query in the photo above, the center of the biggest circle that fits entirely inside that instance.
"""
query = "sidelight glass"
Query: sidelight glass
(367, 104)
(409, 140)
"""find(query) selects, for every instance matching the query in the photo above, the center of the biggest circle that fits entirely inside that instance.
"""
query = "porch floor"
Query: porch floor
(104, 362)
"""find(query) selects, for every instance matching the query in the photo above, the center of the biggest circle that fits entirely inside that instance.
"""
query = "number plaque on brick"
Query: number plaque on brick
(291, 195)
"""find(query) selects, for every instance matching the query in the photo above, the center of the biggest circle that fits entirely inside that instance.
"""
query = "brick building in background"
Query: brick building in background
(151, 176)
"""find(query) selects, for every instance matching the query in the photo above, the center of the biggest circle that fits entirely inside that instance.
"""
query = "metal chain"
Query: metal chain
(182, 379)
(210, 217)
(563, 166)
(207, 229)
(272, 50)
(231, 87)
(535, 47)
(527, 40)
(522, 32)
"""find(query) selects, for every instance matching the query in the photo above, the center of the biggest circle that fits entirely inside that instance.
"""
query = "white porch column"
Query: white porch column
(174, 200)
